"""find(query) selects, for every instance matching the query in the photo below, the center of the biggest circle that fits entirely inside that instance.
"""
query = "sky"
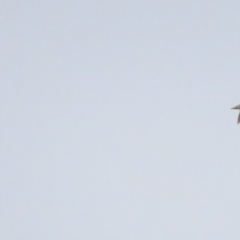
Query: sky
(115, 120)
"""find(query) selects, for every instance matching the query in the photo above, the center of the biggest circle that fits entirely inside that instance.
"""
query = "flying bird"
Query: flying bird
(237, 107)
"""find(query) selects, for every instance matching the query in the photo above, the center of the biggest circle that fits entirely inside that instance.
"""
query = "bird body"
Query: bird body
(238, 108)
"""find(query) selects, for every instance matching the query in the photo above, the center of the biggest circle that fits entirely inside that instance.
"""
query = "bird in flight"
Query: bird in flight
(237, 107)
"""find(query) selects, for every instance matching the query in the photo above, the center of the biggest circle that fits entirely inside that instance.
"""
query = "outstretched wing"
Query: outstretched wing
(236, 107)
(239, 118)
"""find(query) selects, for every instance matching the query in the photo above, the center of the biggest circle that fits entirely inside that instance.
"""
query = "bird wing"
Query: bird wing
(236, 107)
(239, 118)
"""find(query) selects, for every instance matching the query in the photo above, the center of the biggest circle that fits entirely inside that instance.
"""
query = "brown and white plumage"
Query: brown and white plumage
(238, 108)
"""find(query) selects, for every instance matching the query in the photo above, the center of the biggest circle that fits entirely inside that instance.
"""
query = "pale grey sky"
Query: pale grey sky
(116, 122)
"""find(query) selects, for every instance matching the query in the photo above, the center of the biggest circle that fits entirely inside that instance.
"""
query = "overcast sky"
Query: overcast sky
(115, 120)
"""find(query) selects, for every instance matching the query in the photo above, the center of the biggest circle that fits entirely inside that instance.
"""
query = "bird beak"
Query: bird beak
(235, 108)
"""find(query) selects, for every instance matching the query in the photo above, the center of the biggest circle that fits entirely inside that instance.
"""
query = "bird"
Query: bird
(238, 108)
